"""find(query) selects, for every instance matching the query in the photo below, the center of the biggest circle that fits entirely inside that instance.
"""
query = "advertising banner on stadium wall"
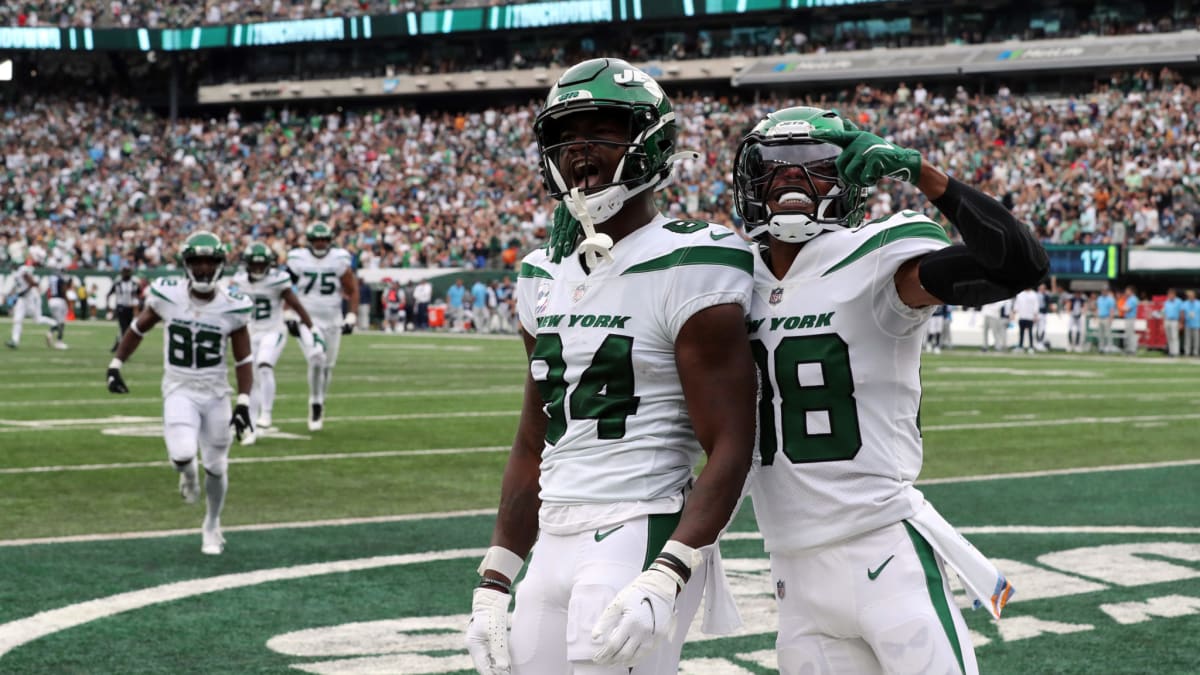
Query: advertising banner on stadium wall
(1003, 57)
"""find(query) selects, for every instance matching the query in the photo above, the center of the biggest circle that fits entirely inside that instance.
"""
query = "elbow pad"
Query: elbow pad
(956, 277)
(1002, 245)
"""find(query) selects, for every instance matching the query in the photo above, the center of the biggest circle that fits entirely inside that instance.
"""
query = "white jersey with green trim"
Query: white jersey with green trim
(604, 363)
(839, 356)
(195, 334)
(319, 282)
(21, 285)
(267, 295)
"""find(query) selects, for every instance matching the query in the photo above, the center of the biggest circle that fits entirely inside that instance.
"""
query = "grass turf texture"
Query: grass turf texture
(404, 396)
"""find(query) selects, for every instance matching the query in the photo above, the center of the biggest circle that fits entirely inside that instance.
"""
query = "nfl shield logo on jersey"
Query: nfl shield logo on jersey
(543, 297)
(779, 589)
(579, 292)
(776, 296)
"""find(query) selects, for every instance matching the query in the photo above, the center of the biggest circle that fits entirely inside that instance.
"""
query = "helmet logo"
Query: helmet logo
(632, 76)
(791, 127)
(570, 95)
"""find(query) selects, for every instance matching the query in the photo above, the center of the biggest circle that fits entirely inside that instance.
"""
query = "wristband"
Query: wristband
(116, 363)
(681, 554)
(674, 576)
(134, 327)
(243, 399)
(502, 560)
(497, 584)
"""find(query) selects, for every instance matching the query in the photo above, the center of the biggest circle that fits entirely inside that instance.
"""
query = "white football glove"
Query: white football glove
(487, 632)
(638, 619)
(312, 343)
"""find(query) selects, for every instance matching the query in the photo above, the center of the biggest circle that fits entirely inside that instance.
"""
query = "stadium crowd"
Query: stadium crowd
(92, 184)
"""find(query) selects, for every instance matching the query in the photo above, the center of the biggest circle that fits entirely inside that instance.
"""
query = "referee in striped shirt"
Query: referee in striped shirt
(128, 292)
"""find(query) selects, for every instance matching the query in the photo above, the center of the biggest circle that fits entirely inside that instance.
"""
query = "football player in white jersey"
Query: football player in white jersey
(836, 325)
(270, 288)
(199, 317)
(28, 303)
(638, 366)
(323, 279)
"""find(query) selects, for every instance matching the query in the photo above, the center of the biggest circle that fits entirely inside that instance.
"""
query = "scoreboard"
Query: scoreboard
(1085, 261)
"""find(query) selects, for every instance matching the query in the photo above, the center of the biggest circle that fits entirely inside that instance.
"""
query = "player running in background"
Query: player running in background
(836, 326)
(638, 365)
(60, 288)
(28, 302)
(324, 279)
(199, 317)
(270, 288)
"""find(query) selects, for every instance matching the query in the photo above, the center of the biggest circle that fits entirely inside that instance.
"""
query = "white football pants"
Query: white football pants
(571, 579)
(877, 603)
(28, 305)
(194, 421)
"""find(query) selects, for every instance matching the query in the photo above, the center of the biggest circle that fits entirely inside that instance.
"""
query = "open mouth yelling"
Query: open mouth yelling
(793, 201)
(585, 174)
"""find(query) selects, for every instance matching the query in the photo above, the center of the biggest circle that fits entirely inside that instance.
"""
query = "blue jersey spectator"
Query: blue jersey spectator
(479, 294)
(1191, 325)
(455, 312)
(1172, 309)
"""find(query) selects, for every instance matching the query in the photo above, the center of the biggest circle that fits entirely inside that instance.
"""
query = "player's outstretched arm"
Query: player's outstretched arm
(244, 357)
(1000, 256)
(129, 343)
(513, 536)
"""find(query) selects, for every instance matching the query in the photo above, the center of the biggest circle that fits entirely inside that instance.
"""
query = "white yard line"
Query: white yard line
(11, 426)
(1120, 529)
(1016, 529)
(335, 522)
(322, 457)
(1069, 421)
(407, 393)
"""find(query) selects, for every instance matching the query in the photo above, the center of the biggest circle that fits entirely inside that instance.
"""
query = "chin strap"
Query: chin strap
(596, 247)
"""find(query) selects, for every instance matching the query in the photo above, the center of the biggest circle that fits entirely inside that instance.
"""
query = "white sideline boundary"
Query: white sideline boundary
(989, 529)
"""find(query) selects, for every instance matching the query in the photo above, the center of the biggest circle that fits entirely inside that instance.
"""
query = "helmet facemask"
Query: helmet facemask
(643, 165)
(256, 269)
(323, 250)
(203, 283)
(790, 190)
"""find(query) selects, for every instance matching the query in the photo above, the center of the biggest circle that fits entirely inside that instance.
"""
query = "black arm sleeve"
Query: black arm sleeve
(1000, 256)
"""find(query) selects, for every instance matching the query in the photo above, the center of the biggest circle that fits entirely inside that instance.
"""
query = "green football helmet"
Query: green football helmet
(319, 232)
(258, 259)
(609, 86)
(201, 246)
(778, 163)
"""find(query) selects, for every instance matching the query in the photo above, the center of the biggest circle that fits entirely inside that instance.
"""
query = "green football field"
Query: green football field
(352, 550)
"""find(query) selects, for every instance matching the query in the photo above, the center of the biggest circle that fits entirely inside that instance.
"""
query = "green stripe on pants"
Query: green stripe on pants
(659, 528)
(937, 590)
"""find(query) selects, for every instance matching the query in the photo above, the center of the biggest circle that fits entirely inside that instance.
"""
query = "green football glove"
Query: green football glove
(866, 158)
